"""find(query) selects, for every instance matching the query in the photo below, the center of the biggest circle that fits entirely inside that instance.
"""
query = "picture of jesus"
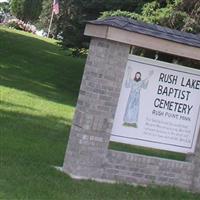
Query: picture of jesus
(132, 108)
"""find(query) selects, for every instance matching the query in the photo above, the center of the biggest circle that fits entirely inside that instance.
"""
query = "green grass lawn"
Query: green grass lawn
(39, 84)
(147, 151)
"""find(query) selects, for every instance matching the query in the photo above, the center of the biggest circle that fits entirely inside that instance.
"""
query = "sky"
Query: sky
(3, 1)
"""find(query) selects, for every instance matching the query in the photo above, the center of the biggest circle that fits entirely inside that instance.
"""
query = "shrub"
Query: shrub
(78, 52)
(20, 25)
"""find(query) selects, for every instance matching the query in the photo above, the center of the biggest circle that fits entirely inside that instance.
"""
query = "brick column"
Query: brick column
(97, 102)
(196, 172)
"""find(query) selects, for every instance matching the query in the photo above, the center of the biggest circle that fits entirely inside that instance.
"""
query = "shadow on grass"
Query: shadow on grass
(7, 104)
(30, 139)
(39, 67)
(29, 145)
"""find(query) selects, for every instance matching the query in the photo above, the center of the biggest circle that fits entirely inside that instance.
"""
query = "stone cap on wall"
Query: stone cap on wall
(145, 35)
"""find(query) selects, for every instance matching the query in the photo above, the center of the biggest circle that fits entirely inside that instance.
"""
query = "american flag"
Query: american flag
(55, 7)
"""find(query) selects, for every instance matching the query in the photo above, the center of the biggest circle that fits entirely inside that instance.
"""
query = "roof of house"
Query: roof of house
(150, 29)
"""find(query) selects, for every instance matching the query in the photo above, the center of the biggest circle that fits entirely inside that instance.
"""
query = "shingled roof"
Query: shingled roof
(150, 29)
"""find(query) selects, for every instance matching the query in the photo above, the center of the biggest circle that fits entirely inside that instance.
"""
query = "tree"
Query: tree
(59, 21)
(70, 22)
(81, 11)
(183, 15)
(192, 11)
(45, 15)
(26, 10)
(4, 7)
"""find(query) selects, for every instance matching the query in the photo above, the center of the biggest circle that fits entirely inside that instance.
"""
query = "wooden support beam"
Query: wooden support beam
(141, 40)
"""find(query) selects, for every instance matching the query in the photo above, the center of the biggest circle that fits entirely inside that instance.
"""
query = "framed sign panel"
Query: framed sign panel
(159, 106)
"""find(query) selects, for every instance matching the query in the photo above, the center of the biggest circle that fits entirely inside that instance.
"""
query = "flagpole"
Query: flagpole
(49, 29)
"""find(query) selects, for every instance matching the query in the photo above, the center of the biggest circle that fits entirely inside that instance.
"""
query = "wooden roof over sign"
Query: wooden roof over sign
(145, 35)
(150, 30)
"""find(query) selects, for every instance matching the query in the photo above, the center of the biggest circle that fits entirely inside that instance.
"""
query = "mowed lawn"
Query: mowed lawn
(39, 85)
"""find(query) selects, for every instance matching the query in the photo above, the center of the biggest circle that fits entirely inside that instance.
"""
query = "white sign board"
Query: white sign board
(159, 106)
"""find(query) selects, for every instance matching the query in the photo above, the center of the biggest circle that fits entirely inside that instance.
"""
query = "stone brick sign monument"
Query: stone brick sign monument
(138, 101)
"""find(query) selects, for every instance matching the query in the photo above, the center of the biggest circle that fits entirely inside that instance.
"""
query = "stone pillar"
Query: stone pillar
(196, 171)
(97, 102)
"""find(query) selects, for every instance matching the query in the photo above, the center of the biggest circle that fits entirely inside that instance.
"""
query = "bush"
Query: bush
(78, 52)
(120, 13)
(20, 25)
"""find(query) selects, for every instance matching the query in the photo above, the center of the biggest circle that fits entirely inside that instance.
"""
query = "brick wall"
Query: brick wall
(97, 101)
(87, 155)
(144, 170)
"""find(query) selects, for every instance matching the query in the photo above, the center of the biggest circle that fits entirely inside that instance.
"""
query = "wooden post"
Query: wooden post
(49, 29)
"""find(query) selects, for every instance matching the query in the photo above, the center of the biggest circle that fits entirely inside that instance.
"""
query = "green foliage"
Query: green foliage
(4, 7)
(45, 15)
(169, 15)
(26, 10)
(192, 10)
(90, 10)
(120, 13)
(17, 7)
(182, 15)
(78, 52)
(70, 22)
(153, 13)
